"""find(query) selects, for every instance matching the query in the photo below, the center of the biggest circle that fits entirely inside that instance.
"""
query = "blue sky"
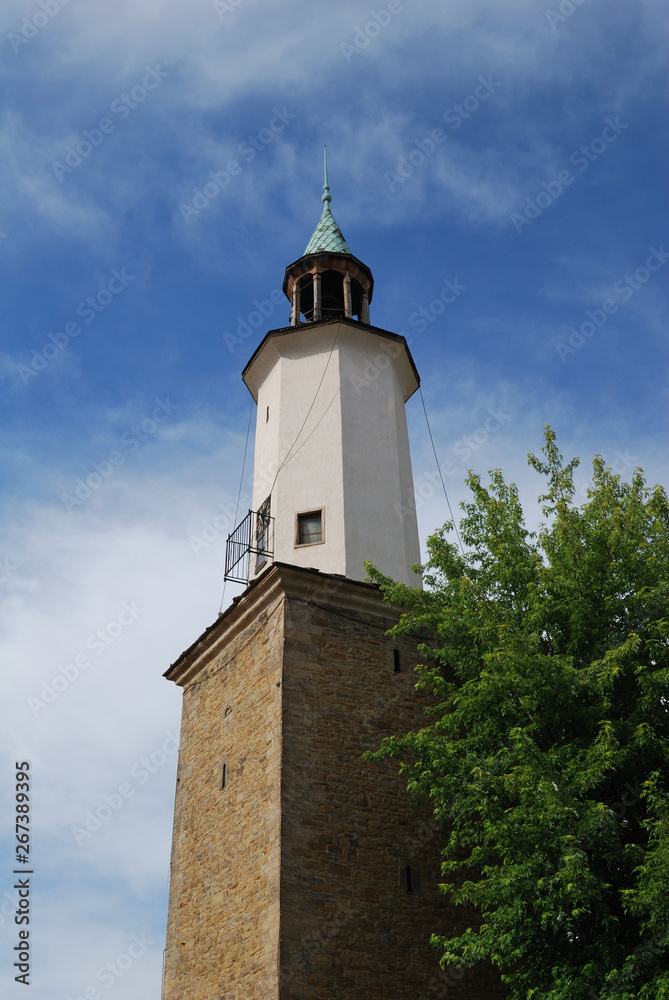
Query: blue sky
(510, 156)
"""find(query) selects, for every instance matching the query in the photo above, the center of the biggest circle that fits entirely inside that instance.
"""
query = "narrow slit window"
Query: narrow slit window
(224, 775)
(409, 879)
(267, 416)
(310, 528)
(397, 663)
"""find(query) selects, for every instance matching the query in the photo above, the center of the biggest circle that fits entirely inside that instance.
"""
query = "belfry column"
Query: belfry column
(295, 313)
(317, 296)
(348, 307)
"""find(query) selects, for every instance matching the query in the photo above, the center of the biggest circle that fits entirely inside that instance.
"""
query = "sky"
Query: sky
(500, 168)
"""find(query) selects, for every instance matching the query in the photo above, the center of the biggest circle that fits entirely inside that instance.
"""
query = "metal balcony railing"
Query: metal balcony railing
(254, 536)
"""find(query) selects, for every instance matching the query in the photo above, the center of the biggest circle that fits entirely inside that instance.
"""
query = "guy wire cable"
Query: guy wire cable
(308, 412)
(239, 491)
(436, 458)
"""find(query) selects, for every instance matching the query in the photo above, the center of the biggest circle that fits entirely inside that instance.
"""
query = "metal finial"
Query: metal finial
(327, 197)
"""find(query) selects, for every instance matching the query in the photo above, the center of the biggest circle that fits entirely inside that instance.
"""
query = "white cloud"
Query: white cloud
(116, 582)
(33, 199)
(291, 56)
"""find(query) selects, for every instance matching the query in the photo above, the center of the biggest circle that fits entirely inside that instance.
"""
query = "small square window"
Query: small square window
(310, 528)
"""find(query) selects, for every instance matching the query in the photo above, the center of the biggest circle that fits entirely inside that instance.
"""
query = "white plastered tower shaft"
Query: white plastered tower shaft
(332, 437)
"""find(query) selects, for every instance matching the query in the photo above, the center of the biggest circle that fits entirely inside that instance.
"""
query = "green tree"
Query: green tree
(547, 751)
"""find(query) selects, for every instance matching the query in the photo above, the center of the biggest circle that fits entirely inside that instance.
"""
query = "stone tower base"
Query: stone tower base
(300, 871)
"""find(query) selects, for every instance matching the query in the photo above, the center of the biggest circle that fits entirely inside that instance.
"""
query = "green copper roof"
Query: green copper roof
(327, 235)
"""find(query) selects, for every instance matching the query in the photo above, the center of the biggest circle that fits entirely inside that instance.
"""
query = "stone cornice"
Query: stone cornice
(267, 592)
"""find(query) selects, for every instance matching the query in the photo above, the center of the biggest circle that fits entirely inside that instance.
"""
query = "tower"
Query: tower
(300, 871)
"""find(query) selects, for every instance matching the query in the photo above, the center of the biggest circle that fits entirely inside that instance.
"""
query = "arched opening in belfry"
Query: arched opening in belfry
(332, 295)
(306, 297)
(357, 299)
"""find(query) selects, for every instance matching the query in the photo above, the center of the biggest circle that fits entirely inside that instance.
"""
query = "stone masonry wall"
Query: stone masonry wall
(312, 875)
(350, 926)
(222, 939)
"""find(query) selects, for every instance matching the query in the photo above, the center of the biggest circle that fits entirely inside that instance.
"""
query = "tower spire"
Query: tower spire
(327, 235)
(327, 197)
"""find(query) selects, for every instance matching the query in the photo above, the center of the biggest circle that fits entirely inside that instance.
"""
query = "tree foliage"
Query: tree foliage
(547, 752)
